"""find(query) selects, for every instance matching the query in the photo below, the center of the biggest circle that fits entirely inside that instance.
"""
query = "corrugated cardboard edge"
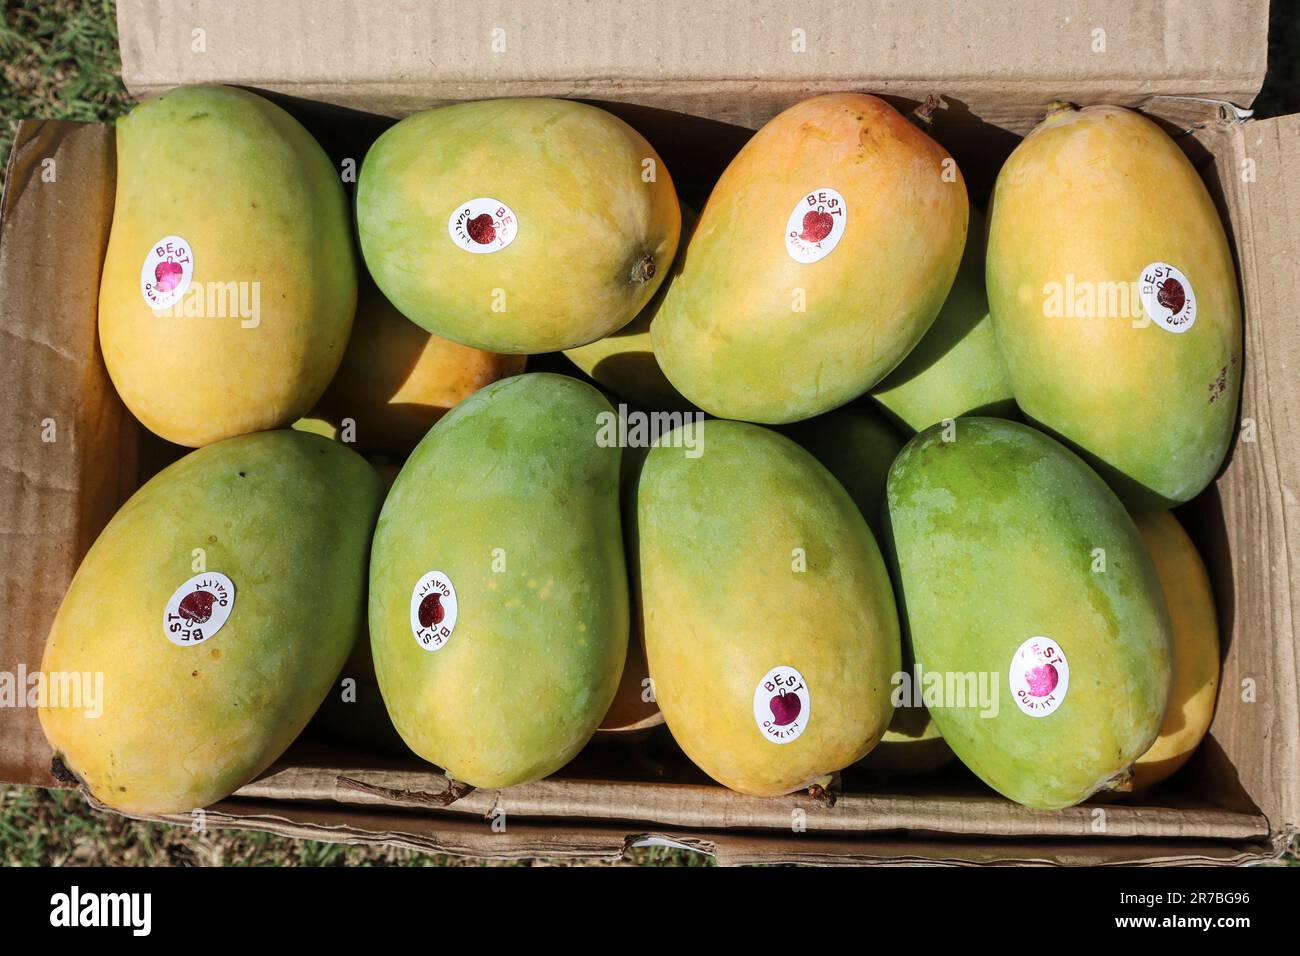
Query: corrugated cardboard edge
(712, 807)
(60, 415)
(1260, 491)
(739, 61)
(586, 842)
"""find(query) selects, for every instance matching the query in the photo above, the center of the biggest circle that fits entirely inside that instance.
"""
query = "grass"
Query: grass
(58, 828)
(60, 61)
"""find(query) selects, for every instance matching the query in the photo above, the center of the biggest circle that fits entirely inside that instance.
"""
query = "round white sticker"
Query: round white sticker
(782, 705)
(1039, 676)
(199, 608)
(483, 225)
(433, 611)
(816, 225)
(1167, 297)
(166, 273)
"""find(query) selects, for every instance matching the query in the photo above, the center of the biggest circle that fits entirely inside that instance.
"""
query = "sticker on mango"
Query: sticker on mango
(816, 225)
(483, 225)
(433, 610)
(198, 608)
(1039, 676)
(782, 705)
(1167, 297)
(166, 273)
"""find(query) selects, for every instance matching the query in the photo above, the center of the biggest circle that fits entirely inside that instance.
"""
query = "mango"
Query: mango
(353, 713)
(956, 369)
(770, 626)
(218, 604)
(857, 446)
(624, 361)
(396, 380)
(822, 257)
(1114, 300)
(1027, 589)
(1186, 586)
(229, 283)
(634, 710)
(517, 225)
(498, 589)
(911, 745)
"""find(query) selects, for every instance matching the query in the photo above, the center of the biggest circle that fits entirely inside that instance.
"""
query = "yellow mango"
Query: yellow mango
(215, 610)
(229, 284)
(770, 625)
(1195, 634)
(397, 380)
(1114, 301)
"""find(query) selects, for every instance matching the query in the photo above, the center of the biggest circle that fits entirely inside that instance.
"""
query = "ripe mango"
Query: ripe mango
(770, 625)
(1114, 299)
(1020, 571)
(498, 589)
(956, 369)
(857, 446)
(229, 283)
(517, 225)
(823, 255)
(1186, 586)
(218, 604)
(911, 745)
(630, 710)
(624, 361)
(396, 380)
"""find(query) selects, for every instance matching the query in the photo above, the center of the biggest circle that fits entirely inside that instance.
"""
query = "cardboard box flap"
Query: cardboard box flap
(591, 842)
(564, 798)
(738, 60)
(1258, 586)
(58, 411)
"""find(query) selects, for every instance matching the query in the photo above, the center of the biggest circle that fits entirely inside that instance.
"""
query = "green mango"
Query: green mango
(857, 446)
(957, 368)
(517, 225)
(770, 627)
(219, 604)
(1020, 572)
(498, 587)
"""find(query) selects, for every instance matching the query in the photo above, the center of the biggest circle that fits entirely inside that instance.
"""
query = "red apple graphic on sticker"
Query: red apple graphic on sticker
(197, 607)
(167, 275)
(816, 226)
(481, 230)
(431, 610)
(785, 708)
(1041, 680)
(1171, 295)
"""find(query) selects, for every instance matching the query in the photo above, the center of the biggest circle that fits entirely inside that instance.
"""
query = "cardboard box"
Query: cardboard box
(696, 78)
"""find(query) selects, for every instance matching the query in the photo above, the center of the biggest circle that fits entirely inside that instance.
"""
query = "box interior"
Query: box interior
(1236, 800)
